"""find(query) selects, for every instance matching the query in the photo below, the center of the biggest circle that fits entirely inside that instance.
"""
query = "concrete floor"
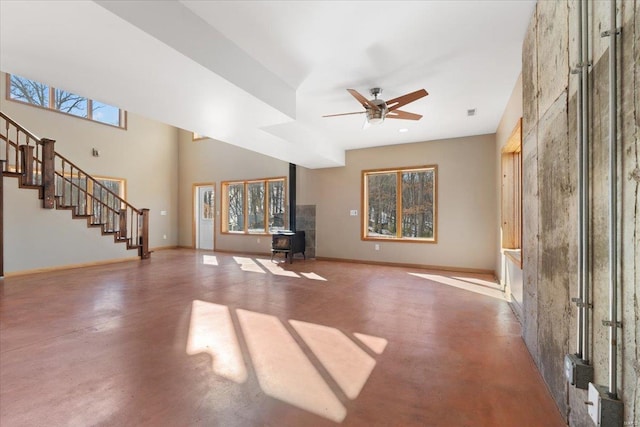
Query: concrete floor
(211, 339)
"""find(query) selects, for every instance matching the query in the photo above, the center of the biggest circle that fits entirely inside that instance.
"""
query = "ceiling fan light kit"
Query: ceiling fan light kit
(376, 110)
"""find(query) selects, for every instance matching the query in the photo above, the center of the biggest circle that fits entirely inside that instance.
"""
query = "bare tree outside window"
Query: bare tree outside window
(255, 200)
(235, 199)
(29, 91)
(276, 205)
(381, 200)
(207, 204)
(70, 103)
(417, 204)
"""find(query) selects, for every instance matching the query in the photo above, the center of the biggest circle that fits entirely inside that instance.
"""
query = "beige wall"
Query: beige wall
(208, 160)
(466, 204)
(145, 155)
(37, 238)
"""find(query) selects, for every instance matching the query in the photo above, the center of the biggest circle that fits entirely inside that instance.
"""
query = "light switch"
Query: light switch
(353, 212)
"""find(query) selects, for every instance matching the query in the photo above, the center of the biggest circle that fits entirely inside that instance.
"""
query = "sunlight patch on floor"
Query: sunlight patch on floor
(486, 283)
(376, 344)
(314, 276)
(274, 268)
(283, 370)
(211, 331)
(348, 364)
(209, 260)
(247, 264)
(464, 283)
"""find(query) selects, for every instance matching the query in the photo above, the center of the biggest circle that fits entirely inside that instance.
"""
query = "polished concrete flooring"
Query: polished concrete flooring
(193, 338)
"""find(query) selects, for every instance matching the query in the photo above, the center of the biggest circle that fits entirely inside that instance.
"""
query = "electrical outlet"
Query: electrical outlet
(164, 236)
(353, 212)
(377, 247)
(163, 213)
(604, 410)
(577, 371)
(258, 240)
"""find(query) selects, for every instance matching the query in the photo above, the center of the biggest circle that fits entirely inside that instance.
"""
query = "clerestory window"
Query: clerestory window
(42, 95)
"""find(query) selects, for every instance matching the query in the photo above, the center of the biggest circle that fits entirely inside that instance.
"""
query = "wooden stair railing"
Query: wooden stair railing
(64, 185)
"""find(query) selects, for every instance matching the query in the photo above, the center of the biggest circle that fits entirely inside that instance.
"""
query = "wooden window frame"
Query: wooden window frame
(51, 107)
(511, 195)
(398, 237)
(224, 212)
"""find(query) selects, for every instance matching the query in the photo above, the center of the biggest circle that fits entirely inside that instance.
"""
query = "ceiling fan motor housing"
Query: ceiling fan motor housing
(377, 116)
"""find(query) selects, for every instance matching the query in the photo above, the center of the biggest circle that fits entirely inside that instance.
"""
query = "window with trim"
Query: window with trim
(32, 92)
(400, 204)
(511, 209)
(254, 207)
(208, 202)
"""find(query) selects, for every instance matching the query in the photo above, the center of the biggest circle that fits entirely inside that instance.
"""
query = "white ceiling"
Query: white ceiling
(260, 74)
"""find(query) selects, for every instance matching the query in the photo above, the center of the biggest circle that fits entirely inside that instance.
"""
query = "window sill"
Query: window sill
(244, 233)
(514, 255)
(397, 240)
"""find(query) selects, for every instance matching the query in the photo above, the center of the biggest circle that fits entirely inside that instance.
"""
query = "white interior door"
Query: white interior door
(205, 213)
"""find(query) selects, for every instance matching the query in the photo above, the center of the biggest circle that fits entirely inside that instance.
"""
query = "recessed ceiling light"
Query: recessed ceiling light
(403, 130)
(471, 112)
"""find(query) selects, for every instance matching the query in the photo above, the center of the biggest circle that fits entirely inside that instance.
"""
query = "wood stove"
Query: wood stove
(289, 243)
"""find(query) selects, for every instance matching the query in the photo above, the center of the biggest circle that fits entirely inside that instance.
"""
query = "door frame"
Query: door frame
(195, 214)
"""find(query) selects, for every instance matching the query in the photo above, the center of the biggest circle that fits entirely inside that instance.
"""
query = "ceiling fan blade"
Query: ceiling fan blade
(363, 101)
(398, 114)
(343, 114)
(405, 99)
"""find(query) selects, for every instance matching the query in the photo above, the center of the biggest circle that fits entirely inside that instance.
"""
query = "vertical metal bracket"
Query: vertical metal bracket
(581, 303)
(609, 323)
(607, 33)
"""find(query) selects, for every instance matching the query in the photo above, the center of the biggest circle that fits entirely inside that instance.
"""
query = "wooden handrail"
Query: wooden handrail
(20, 127)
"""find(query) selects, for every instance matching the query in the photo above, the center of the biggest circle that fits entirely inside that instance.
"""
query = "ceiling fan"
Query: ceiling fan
(377, 110)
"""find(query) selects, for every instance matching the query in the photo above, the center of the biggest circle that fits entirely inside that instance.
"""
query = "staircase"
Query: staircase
(63, 185)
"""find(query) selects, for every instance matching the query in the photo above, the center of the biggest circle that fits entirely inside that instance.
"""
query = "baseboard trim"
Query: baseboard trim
(164, 248)
(406, 265)
(69, 266)
(225, 251)
(358, 261)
